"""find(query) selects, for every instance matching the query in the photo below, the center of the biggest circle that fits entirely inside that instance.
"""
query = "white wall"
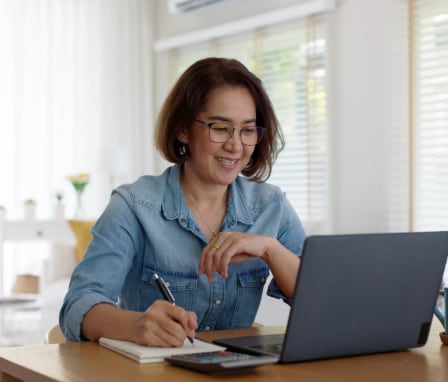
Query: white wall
(171, 24)
(356, 101)
(357, 57)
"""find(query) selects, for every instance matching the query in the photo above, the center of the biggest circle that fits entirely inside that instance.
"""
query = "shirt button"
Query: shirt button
(218, 301)
(167, 283)
(207, 328)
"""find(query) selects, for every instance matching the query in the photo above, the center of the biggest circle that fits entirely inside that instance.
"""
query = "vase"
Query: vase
(80, 214)
(29, 211)
(79, 183)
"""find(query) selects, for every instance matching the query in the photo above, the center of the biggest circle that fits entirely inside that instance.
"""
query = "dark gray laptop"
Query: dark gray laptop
(358, 294)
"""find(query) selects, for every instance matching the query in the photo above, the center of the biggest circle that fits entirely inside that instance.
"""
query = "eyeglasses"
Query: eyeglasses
(220, 132)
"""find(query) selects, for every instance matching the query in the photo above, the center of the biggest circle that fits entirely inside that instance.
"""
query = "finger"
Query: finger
(160, 326)
(174, 333)
(217, 256)
(169, 334)
(223, 257)
(207, 260)
(206, 252)
(192, 324)
(201, 267)
(154, 335)
(209, 264)
(166, 338)
(237, 249)
(223, 266)
(217, 262)
(186, 322)
(148, 334)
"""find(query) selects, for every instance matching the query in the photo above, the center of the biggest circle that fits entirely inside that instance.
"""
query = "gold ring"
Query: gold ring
(216, 246)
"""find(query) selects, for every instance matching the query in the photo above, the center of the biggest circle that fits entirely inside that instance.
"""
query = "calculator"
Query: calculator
(221, 362)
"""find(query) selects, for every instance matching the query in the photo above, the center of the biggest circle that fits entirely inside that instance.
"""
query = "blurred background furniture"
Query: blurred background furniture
(30, 303)
(54, 336)
(53, 231)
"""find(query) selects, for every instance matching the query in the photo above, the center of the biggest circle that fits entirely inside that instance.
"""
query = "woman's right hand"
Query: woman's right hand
(164, 324)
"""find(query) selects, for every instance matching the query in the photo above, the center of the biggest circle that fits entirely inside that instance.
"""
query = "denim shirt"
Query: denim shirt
(147, 228)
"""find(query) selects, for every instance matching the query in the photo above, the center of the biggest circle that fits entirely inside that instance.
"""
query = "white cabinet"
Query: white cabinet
(31, 230)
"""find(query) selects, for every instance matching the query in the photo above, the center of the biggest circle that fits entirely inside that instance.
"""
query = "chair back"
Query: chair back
(54, 336)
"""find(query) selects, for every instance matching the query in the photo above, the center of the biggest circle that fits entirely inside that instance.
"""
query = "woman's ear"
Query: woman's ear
(182, 136)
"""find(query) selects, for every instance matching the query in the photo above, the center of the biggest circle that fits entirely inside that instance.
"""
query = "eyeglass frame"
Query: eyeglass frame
(260, 130)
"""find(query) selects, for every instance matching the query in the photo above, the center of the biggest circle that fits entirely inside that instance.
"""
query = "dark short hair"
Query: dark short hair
(188, 97)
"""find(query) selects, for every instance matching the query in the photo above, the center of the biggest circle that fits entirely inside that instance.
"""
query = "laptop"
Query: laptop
(358, 294)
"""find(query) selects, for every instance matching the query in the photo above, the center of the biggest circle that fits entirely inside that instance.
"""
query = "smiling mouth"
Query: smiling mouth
(228, 162)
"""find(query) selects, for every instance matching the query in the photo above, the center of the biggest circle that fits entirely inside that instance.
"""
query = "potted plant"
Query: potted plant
(59, 207)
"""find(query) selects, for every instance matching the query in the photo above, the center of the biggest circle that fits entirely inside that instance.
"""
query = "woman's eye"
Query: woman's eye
(220, 129)
(248, 130)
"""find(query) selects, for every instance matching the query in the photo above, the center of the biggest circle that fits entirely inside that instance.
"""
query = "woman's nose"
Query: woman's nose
(234, 143)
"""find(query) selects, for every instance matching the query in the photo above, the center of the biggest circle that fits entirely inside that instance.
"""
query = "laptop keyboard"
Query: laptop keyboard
(269, 348)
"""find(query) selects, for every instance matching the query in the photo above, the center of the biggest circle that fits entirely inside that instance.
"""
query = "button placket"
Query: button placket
(216, 303)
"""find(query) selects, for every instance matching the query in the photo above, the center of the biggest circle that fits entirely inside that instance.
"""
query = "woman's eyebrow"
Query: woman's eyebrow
(219, 118)
(225, 119)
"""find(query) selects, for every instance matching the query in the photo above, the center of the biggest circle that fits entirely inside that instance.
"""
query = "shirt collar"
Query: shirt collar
(174, 206)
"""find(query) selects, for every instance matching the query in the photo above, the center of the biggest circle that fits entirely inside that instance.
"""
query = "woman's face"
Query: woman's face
(220, 163)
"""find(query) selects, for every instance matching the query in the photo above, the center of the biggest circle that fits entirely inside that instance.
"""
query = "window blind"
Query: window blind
(396, 103)
(290, 58)
(430, 115)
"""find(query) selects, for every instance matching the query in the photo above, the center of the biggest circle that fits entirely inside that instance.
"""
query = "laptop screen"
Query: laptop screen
(360, 294)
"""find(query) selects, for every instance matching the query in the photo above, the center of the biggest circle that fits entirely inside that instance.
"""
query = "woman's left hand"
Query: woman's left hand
(232, 248)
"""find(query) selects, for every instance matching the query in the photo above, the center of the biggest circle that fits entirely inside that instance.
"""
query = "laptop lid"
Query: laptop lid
(360, 294)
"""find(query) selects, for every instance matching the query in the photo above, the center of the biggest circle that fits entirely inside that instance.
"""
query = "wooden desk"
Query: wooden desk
(90, 362)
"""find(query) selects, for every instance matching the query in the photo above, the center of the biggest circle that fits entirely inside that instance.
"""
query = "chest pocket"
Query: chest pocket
(250, 284)
(183, 285)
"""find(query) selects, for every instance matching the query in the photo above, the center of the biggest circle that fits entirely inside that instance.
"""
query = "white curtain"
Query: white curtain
(75, 80)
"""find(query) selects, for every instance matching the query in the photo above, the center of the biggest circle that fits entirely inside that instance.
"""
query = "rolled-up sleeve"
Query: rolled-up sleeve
(100, 275)
(292, 235)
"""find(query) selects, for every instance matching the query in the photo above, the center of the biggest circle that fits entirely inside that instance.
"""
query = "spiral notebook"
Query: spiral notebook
(144, 354)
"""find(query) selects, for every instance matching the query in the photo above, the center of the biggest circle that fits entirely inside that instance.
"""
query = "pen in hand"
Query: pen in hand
(167, 295)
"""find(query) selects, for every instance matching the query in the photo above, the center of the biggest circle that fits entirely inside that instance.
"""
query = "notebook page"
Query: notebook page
(145, 354)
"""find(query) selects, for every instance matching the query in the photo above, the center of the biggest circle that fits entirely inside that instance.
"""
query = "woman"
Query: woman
(210, 233)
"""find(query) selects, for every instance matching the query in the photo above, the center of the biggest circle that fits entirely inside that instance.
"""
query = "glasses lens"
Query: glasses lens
(249, 135)
(221, 133)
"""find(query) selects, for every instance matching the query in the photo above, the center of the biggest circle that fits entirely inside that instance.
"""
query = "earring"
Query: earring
(182, 150)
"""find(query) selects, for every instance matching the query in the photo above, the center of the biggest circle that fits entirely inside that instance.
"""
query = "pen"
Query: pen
(167, 295)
